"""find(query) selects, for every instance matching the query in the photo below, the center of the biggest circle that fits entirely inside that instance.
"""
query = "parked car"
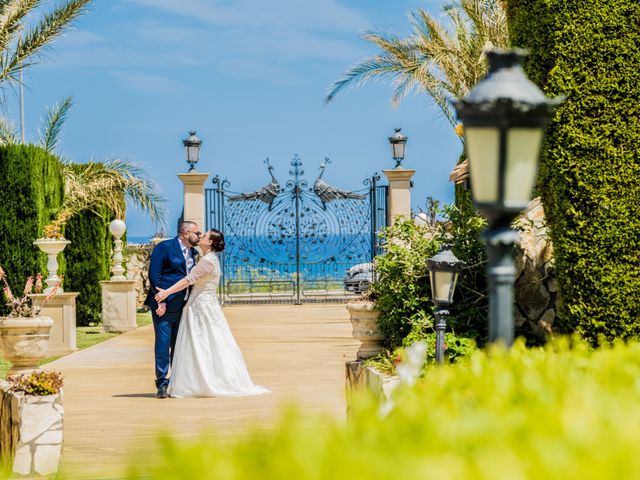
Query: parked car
(359, 277)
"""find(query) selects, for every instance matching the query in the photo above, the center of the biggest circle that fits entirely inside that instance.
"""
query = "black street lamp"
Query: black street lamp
(443, 274)
(192, 149)
(504, 118)
(398, 142)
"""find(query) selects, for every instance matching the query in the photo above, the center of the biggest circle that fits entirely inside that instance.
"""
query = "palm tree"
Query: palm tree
(444, 62)
(22, 46)
(108, 183)
(89, 186)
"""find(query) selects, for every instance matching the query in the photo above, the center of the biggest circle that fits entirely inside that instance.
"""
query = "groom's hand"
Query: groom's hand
(162, 309)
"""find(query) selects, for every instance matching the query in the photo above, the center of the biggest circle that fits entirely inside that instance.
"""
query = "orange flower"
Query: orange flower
(459, 129)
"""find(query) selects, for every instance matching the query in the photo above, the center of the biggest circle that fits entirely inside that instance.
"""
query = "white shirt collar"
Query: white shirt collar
(182, 245)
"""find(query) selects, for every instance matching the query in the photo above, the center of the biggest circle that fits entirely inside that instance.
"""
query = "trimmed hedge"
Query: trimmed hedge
(32, 193)
(88, 262)
(590, 173)
(551, 414)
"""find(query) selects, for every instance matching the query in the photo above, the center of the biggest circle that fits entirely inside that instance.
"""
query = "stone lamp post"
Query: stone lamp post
(193, 209)
(399, 180)
(117, 229)
(119, 296)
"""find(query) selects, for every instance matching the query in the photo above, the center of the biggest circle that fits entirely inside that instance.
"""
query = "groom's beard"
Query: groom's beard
(194, 244)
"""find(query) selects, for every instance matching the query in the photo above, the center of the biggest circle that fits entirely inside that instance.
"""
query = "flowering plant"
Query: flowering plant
(53, 230)
(39, 382)
(23, 306)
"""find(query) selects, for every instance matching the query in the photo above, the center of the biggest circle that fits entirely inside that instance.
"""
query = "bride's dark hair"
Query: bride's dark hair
(217, 240)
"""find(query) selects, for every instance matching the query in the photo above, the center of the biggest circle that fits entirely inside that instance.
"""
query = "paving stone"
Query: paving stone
(47, 459)
(36, 419)
(22, 460)
(50, 437)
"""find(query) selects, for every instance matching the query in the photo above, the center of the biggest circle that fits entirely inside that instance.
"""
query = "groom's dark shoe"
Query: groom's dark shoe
(162, 392)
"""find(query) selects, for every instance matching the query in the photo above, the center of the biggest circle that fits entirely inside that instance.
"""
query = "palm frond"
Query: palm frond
(32, 43)
(108, 183)
(442, 60)
(12, 13)
(49, 135)
(8, 133)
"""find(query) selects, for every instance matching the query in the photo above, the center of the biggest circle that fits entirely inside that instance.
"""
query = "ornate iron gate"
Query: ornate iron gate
(295, 244)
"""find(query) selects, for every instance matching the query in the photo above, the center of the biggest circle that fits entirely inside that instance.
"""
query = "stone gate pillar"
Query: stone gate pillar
(399, 193)
(193, 183)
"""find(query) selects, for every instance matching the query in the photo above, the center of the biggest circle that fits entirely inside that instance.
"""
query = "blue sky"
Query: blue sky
(250, 76)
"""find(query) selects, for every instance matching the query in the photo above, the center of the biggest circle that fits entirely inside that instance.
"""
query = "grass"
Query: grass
(85, 337)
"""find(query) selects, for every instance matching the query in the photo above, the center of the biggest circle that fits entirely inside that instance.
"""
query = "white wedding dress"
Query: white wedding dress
(207, 361)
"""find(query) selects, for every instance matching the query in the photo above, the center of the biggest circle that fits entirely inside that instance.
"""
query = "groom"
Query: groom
(171, 261)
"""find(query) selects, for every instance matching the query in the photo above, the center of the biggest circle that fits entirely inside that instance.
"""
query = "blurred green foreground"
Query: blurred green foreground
(565, 411)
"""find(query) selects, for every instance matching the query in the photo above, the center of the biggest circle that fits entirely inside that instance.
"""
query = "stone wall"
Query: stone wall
(536, 286)
(30, 432)
(137, 264)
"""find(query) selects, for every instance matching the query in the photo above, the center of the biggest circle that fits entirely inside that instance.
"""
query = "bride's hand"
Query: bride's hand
(161, 295)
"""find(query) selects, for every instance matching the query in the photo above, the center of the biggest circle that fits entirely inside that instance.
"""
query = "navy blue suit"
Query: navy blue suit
(167, 267)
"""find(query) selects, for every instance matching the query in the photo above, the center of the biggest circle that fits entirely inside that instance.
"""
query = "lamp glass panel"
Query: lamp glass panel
(398, 149)
(483, 148)
(444, 282)
(523, 150)
(192, 154)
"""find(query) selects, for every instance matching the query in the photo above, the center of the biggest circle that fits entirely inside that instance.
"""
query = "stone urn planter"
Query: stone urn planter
(364, 319)
(24, 341)
(52, 247)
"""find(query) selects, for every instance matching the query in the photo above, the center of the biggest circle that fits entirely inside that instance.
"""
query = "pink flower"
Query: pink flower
(28, 287)
(38, 283)
(8, 295)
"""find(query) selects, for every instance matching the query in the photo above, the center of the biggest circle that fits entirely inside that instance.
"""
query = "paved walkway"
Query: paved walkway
(298, 352)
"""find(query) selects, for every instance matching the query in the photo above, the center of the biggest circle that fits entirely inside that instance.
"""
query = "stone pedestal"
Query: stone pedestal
(399, 193)
(194, 197)
(23, 341)
(360, 379)
(31, 433)
(119, 300)
(364, 320)
(62, 309)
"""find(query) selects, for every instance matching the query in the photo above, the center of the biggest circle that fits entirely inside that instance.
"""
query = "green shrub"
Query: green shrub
(555, 413)
(402, 289)
(32, 193)
(590, 173)
(88, 262)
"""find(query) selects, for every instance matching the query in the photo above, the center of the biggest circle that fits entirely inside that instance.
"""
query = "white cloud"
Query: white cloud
(273, 41)
(147, 82)
(299, 14)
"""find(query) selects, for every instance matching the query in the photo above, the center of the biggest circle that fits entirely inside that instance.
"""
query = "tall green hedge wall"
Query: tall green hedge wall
(88, 261)
(32, 191)
(590, 173)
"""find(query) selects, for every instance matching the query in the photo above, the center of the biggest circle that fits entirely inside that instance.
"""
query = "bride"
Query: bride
(207, 361)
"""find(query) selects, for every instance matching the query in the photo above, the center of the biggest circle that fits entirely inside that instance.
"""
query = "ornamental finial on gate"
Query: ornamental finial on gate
(296, 172)
(266, 194)
(328, 193)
